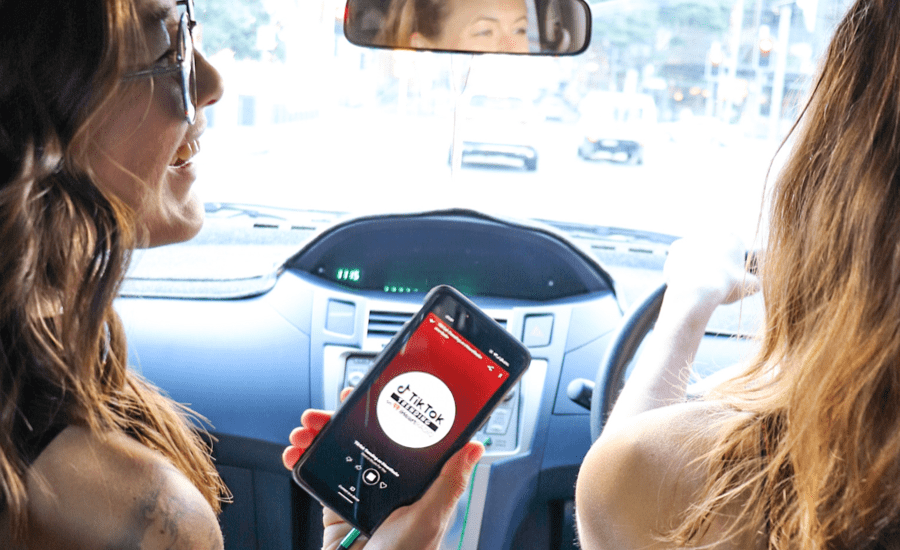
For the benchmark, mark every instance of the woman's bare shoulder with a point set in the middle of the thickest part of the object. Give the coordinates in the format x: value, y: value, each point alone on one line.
x: 85, y: 489
x: 635, y: 483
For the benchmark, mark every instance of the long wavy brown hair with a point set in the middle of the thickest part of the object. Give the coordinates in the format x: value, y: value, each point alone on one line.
x: 815, y: 464
x: 66, y: 248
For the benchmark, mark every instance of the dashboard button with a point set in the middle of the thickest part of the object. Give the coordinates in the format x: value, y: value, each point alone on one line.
x: 499, y: 422
x: 341, y: 317
x: 537, y: 331
x: 353, y: 378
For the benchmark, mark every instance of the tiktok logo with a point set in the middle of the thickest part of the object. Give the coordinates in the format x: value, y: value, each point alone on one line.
x: 416, y: 409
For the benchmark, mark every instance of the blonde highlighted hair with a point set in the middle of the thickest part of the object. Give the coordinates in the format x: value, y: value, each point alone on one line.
x: 816, y: 463
x: 63, y: 356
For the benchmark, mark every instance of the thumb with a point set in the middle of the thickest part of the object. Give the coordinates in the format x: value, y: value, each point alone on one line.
x: 450, y: 485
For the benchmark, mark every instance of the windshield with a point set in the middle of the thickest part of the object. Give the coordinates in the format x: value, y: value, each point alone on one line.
x: 668, y: 122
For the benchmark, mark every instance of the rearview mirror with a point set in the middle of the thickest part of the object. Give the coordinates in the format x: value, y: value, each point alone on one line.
x: 531, y: 27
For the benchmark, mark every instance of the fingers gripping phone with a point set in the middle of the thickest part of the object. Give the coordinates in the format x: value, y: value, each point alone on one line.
x: 424, y: 397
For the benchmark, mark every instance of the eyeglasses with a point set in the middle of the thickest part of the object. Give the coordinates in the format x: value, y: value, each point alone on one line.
x: 184, y: 62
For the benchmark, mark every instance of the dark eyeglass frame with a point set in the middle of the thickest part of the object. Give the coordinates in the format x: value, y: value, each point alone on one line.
x: 184, y: 62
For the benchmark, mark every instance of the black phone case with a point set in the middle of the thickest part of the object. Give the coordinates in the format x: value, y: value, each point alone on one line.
x: 520, y: 359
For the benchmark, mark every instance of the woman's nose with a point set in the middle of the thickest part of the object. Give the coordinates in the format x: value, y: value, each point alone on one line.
x: 209, y: 82
x: 510, y: 43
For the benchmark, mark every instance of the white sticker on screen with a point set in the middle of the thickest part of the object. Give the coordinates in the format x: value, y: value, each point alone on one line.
x: 416, y: 409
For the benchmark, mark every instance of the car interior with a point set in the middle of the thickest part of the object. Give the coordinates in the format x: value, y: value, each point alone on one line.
x: 331, y: 210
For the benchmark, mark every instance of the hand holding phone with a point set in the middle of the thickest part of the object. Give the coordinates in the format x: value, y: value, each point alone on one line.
x: 416, y: 527
x: 422, y: 400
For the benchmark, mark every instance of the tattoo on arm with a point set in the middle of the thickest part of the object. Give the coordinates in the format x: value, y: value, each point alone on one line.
x: 167, y: 518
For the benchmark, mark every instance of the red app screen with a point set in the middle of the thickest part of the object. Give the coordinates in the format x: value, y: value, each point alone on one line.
x: 434, y: 387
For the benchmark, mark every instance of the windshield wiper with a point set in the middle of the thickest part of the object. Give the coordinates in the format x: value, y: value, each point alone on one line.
x: 238, y: 209
x: 616, y: 234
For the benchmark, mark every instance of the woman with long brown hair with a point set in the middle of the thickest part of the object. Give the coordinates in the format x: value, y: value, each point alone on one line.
x: 802, y: 450
x: 101, y: 111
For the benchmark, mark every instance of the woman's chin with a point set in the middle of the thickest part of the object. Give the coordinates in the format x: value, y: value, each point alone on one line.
x: 176, y: 228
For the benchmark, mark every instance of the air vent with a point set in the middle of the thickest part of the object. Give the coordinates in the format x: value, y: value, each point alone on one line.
x: 385, y: 324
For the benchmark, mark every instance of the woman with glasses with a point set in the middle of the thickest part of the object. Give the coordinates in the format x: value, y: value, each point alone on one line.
x: 101, y: 113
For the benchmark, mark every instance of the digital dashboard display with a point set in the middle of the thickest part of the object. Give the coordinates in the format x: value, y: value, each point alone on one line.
x: 480, y: 258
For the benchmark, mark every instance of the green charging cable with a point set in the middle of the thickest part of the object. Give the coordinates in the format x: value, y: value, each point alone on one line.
x: 349, y: 539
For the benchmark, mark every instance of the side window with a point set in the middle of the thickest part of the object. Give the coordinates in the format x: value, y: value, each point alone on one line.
x: 246, y: 110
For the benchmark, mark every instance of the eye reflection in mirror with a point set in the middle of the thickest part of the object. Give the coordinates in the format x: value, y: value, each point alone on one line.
x: 484, y: 26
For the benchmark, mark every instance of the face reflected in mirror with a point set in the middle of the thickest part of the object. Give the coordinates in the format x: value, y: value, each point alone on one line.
x: 529, y: 27
x: 499, y: 26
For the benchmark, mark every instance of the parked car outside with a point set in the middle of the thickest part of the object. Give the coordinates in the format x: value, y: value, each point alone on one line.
x: 496, y: 130
x: 616, y: 126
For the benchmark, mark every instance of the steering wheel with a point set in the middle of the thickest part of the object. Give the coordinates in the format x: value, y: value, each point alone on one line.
x: 626, y: 341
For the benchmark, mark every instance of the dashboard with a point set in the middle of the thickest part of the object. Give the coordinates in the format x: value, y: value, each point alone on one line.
x: 480, y: 256
x: 251, y: 365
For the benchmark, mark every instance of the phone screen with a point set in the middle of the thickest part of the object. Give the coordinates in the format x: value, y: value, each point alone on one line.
x: 396, y: 432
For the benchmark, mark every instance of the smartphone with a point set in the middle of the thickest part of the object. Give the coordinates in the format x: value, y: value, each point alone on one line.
x: 424, y: 397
